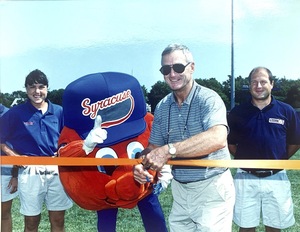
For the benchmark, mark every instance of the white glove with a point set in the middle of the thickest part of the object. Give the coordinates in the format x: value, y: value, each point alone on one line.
x: 164, y: 179
x: 96, y: 135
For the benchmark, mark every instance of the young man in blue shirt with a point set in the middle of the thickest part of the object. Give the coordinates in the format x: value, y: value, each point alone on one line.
x: 9, y: 187
x: 263, y: 128
x: 33, y: 129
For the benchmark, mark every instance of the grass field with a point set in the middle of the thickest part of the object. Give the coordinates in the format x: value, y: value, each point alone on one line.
x: 81, y: 220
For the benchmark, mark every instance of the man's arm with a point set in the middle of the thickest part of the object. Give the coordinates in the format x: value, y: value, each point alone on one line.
x: 202, y: 144
x: 8, y: 151
x: 13, y: 183
x: 198, y: 145
x: 232, y: 149
x: 292, y: 149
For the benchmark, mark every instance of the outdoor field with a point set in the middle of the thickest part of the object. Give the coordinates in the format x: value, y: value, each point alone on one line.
x: 81, y: 220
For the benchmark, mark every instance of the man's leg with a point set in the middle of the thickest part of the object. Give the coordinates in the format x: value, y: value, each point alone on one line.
x: 57, y: 220
x: 32, y: 223
x: 247, y: 229
x: 6, y: 221
x: 271, y: 229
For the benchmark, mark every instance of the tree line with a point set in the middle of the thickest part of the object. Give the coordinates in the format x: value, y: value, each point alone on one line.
x: 284, y: 90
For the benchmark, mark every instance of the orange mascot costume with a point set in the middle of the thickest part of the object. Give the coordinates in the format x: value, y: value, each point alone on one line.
x: 112, y: 103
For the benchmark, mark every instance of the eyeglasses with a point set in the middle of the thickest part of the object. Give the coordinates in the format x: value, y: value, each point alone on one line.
x: 179, y: 68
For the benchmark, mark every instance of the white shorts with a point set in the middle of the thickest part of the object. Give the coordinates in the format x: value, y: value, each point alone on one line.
x: 39, y: 184
x: 270, y: 196
x: 203, y: 205
x: 5, y: 179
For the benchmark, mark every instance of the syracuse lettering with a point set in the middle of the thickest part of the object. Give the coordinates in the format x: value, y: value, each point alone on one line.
x: 92, y: 109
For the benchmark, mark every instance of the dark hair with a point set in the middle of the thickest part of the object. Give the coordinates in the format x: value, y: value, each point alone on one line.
x: 36, y: 77
x: 271, y: 78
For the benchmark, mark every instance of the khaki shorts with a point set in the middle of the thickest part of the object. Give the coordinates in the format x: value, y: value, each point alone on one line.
x: 203, y: 205
x: 269, y: 196
x: 38, y: 185
x: 5, y: 179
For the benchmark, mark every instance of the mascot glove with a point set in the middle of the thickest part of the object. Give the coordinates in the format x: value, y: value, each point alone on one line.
x: 164, y: 179
x: 96, y: 135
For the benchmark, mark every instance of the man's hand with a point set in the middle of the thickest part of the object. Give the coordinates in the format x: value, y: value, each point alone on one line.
x: 96, y: 135
x: 156, y: 158
x: 141, y: 175
x: 13, y: 184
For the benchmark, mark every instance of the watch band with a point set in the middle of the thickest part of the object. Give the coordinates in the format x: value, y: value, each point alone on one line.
x: 172, y: 150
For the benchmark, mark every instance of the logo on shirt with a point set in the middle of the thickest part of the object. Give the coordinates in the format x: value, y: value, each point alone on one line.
x: 28, y: 123
x: 276, y: 121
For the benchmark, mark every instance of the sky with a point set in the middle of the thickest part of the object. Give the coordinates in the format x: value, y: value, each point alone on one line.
x: 69, y: 39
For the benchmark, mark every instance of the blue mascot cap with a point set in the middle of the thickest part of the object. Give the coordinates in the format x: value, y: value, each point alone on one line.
x: 117, y: 97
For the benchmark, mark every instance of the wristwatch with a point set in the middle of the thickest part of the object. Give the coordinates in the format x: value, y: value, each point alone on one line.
x: 172, y: 150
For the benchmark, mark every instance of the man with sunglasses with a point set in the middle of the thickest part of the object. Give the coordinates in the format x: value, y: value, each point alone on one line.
x: 190, y: 123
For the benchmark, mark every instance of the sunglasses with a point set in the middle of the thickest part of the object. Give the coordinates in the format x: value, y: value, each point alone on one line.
x: 179, y: 68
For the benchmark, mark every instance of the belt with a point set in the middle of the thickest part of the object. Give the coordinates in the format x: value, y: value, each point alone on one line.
x: 262, y: 174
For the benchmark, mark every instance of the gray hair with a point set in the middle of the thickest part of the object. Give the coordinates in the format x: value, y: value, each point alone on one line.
x: 178, y: 47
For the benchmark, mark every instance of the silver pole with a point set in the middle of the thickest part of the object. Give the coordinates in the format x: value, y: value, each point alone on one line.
x: 232, y: 92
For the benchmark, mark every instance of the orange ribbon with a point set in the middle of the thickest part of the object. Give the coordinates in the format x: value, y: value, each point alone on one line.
x: 84, y: 161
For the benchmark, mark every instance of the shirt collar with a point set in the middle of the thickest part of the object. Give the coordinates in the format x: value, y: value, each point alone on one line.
x: 31, y: 107
x: 189, y: 97
x: 272, y: 103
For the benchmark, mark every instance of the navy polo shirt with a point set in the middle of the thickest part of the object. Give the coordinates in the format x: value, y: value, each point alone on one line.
x: 29, y: 131
x: 263, y: 134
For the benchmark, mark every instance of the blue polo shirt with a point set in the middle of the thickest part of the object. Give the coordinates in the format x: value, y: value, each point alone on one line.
x: 5, y: 169
x: 3, y: 110
x: 29, y: 131
x: 263, y: 134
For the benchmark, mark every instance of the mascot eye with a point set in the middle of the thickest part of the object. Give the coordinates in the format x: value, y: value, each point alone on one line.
x: 105, y: 153
x: 133, y: 148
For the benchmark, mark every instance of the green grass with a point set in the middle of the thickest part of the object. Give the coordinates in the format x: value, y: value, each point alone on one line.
x: 81, y: 220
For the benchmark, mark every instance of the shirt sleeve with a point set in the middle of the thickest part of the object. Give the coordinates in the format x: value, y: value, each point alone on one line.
x: 156, y: 137
x: 293, y: 133
x: 213, y: 110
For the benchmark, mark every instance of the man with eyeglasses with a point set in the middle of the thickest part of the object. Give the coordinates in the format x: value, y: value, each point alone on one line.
x: 263, y: 128
x: 190, y: 123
